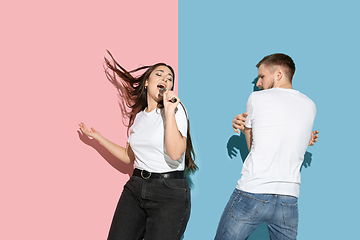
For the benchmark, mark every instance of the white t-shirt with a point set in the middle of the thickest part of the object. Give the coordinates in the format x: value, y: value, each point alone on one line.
x: 147, y: 140
x: 281, y: 121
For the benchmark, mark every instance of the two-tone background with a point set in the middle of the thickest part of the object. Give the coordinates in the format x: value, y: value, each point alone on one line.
x: 55, y: 184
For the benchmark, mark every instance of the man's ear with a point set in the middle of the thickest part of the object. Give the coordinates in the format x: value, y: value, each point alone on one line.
x: 279, y: 74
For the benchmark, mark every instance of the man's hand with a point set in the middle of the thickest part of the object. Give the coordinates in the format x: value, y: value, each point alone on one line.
x: 239, y: 122
x: 314, y: 137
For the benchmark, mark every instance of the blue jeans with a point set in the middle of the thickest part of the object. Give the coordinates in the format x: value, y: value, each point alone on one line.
x: 246, y: 211
x: 151, y: 209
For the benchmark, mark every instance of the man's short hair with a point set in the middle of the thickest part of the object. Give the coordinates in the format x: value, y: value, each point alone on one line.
x: 279, y: 59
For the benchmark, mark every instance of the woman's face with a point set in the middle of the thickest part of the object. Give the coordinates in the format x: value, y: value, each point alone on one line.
x: 161, y: 77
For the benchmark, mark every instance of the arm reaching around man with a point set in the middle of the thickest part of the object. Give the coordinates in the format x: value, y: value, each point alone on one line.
x: 239, y: 121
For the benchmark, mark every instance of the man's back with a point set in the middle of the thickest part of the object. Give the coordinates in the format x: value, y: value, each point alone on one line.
x: 281, y: 121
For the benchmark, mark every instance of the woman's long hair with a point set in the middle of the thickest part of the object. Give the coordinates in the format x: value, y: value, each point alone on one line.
x: 133, y: 98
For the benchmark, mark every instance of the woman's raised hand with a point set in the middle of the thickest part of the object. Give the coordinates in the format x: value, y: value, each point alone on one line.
x: 93, y: 133
x: 168, y: 96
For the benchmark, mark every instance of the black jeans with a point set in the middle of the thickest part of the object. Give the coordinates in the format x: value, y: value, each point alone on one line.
x: 151, y: 209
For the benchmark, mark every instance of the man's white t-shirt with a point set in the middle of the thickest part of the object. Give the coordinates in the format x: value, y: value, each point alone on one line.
x: 147, y: 140
x: 281, y: 121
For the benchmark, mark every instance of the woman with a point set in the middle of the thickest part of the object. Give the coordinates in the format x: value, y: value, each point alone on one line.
x: 155, y: 202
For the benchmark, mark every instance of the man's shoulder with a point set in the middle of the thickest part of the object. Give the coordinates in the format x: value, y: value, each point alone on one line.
x: 279, y: 93
x: 305, y: 97
x: 262, y: 93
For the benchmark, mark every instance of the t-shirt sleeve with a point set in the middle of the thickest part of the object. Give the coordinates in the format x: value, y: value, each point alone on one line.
x: 181, y: 120
x: 131, y: 131
x: 249, y: 110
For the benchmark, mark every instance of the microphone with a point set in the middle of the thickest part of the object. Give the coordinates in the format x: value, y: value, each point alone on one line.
x: 162, y: 90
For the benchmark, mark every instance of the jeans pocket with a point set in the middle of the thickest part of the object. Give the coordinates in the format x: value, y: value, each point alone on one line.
x: 175, y: 190
x: 246, y: 207
x: 291, y: 213
x: 176, y: 184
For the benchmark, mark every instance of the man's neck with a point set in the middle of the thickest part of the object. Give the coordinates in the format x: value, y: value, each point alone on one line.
x: 286, y: 85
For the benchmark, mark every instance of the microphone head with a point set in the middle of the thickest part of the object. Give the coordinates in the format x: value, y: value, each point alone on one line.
x: 162, y: 90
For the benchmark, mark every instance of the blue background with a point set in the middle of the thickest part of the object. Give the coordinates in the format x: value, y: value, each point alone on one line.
x: 220, y: 42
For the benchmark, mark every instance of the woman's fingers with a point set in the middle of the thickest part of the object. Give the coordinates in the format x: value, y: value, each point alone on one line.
x: 169, y: 95
x: 84, y: 129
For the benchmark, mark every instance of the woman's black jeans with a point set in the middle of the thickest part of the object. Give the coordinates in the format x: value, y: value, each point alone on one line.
x: 151, y: 209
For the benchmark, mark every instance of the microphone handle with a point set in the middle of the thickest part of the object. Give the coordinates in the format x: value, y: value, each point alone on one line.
x: 174, y: 100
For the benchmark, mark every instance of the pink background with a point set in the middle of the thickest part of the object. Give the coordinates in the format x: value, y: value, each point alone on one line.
x: 53, y: 185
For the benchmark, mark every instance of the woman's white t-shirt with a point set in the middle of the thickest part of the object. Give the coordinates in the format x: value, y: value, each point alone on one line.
x: 147, y: 140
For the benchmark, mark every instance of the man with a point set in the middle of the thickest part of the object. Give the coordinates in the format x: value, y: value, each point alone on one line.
x: 278, y: 128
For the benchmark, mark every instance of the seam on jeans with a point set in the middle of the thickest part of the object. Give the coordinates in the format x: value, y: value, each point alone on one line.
x: 141, y: 236
x: 181, y: 222
x: 186, y: 209
x: 290, y: 205
x: 249, y: 196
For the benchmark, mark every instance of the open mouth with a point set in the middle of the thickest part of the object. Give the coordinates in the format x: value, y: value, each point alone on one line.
x: 160, y: 86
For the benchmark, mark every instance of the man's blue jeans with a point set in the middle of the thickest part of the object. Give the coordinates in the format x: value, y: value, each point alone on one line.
x: 246, y: 211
